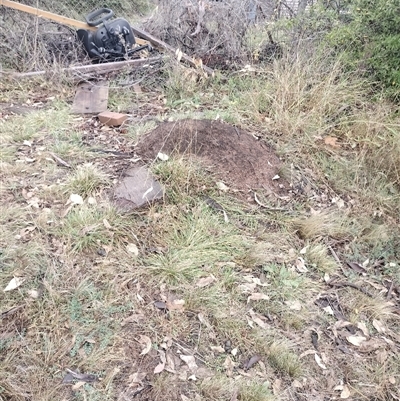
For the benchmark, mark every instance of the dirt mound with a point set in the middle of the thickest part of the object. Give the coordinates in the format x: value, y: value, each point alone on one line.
x: 235, y: 156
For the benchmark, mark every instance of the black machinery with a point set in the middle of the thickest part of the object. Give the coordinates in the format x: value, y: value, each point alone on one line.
x: 113, y: 40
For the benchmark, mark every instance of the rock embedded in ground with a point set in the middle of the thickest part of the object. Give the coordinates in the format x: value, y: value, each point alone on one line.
x: 137, y: 188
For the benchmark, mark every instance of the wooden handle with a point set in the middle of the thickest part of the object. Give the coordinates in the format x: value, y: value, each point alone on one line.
x: 45, y: 14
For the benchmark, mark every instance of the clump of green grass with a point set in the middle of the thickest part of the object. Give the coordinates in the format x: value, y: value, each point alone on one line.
x: 86, y: 227
x: 195, y: 240
x: 318, y: 257
x: 284, y: 360
x: 85, y: 180
x: 182, y: 177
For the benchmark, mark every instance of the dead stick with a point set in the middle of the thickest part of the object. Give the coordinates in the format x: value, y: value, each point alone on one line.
x: 389, y: 294
x: 59, y: 160
x: 159, y: 43
x: 347, y: 284
x: 95, y: 68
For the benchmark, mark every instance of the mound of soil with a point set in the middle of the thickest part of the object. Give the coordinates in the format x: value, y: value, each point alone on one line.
x: 233, y: 155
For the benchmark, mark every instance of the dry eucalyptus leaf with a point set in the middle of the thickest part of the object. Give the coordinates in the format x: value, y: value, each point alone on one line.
x: 319, y: 361
x: 345, y: 392
x: 218, y: 349
x: 331, y: 141
x: 176, y: 304
x: 132, y: 248
x: 190, y: 361
x: 381, y: 356
x: 380, y: 328
x: 356, y: 340
x: 14, y: 284
x: 146, y: 342
x: 205, y: 281
x: 362, y: 326
x: 257, y: 319
x: 222, y: 187
x: 300, y: 265
x: 276, y: 386
x: 257, y: 296
x: 136, y: 378
x: 229, y: 365
x: 159, y: 368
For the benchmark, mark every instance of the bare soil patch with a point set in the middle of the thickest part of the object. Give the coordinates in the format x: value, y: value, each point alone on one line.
x: 235, y: 156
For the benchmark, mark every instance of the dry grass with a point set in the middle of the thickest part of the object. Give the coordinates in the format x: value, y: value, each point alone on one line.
x: 87, y: 299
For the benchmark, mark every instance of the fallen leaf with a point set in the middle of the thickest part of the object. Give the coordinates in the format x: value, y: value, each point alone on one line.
x: 78, y: 385
x: 136, y: 378
x: 345, y: 392
x: 132, y: 248
x: 331, y: 141
x: 205, y: 281
x: 160, y: 305
x: 257, y: 319
x: 319, y: 361
x: 356, y: 267
x: 362, y: 326
x: 146, y: 342
x: 380, y: 328
x: 229, y: 366
x: 276, y: 386
x: 162, y: 156
x: 276, y: 177
x: 222, y: 187
x: 176, y: 305
x: 356, y: 340
x: 381, y: 356
x: 14, y: 284
x: 257, y: 296
x: 218, y: 348
x: 82, y: 377
x: 251, y: 362
x: 76, y: 199
x: 190, y: 361
x: 300, y: 265
x: 160, y: 367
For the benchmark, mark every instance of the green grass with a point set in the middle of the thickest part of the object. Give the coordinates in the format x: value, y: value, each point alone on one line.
x: 95, y: 298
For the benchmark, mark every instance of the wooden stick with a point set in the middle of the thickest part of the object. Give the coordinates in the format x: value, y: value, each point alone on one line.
x: 159, y: 43
x: 93, y: 68
x: 45, y: 14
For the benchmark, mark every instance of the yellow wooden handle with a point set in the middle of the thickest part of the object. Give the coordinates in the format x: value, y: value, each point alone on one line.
x: 45, y: 14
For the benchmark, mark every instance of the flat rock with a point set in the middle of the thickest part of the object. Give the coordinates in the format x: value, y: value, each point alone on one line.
x: 137, y: 188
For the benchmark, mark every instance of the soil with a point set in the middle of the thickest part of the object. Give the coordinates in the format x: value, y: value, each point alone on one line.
x: 237, y: 158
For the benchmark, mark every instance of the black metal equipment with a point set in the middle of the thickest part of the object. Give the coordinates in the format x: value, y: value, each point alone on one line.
x: 113, y: 40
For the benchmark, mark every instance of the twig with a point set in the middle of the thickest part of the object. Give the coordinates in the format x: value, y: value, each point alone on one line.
x: 59, y: 160
x: 347, y: 284
x: 268, y: 209
x: 336, y: 257
x: 389, y: 294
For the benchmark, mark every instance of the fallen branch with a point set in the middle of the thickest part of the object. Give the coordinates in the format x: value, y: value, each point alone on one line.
x: 93, y: 68
x: 347, y: 284
x: 160, y: 44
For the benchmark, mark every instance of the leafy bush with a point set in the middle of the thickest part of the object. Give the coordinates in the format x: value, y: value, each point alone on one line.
x: 370, y: 39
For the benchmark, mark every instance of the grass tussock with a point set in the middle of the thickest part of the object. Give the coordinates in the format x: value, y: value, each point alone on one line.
x: 86, y: 180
